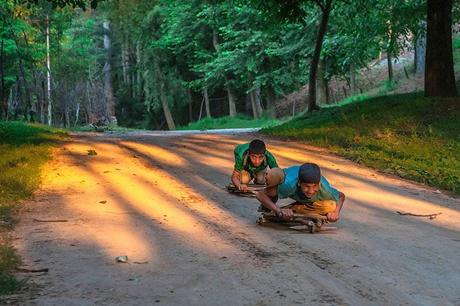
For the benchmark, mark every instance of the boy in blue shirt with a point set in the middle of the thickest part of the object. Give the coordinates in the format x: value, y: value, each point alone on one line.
x: 304, y: 184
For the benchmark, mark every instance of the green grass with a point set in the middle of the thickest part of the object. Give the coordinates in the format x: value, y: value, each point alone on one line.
x: 230, y: 122
x: 349, y: 100
x: 408, y: 135
x: 110, y: 128
x: 23, y: 150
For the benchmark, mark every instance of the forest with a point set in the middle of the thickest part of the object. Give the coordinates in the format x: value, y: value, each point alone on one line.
x: 163, y: 64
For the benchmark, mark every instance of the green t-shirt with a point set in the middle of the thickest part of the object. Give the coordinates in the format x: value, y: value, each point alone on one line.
x: 243, y: 162
x: 290, y: 188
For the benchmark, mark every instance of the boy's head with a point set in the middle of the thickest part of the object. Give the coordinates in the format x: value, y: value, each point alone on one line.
x: 309, y: 179
x: 257, y: 152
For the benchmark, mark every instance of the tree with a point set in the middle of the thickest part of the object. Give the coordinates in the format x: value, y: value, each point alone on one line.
x: 439, y: 65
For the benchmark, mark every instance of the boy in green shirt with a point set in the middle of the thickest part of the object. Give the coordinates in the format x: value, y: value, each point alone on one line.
x: 251, y: 162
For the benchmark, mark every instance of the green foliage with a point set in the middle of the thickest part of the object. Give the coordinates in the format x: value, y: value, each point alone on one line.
x: 8, y: 257
x: 456, y: 43
x: 349, y: 100
x: 387, y: 86
x: 239, y: 121
x: 9, y: 284
x: 408, y: 135
x: 83, y: 4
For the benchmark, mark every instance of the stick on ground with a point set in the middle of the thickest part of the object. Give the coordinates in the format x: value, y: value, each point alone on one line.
x: 430, y: 216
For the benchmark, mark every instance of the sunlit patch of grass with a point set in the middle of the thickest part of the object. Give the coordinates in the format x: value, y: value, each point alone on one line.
x: 23, y: 150
x: 407, y: 135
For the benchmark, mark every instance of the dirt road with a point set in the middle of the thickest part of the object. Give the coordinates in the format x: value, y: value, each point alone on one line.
x: 160, y: 200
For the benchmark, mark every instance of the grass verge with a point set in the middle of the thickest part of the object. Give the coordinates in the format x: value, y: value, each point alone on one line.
x: 408, y: 135
x: 23, y: 150
x: 230, y: 122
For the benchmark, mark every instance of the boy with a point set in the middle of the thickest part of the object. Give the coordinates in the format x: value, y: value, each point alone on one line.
x: 304, y: 184
x: 251, y: 162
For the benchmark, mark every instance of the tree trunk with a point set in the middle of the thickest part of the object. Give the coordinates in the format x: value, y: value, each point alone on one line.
x: 108, y: 89
x: 124, y: 63
x: 326, y: 10
x: 206, y: 102
x: 42, y: 101
x: 231, y: 97
x: 439, y: 68
x: 190, y: 105
x: 255, y: 113
x: 165, y: 106
x: 321, y: 85
x: 138, y: 71
x: 390, y: 67
x: 48, y: 72
x: 22, y: 79
x: 67, y: 116
x: 420, y: 52
x: 89, y: 109
x: 159, y: 79
x: 270, y: 102
x: 352, y: 79
x: 3, y: 100
x: 231, y: 101
x: 77, y: 114
x: 260, y: 109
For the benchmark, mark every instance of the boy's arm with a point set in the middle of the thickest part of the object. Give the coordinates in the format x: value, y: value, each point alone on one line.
x: 265, y: 198
x: 271, y: 161
x: 237, y: 182
x: 236, y: 175
x: 334, y: 216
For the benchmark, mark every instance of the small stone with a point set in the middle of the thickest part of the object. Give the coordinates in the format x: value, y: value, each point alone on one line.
x: 122, y: 259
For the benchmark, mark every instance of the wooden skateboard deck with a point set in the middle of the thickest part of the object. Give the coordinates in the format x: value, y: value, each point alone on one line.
x: 252, y: 189
x: 311, y: 224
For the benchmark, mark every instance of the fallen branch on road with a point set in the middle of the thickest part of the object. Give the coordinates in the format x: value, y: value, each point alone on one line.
x: 32, y: 270
x: 429, y: 216
x: 59, y: 220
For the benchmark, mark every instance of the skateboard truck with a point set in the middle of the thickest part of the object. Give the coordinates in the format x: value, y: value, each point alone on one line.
x: 299, y: 222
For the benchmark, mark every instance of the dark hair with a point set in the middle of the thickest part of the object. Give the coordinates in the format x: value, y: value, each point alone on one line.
x: 257, y: 146
x: 309, y: 173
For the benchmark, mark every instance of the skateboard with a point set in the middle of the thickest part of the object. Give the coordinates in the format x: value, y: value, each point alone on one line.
x: 252, y: 189
x: 305, y: 223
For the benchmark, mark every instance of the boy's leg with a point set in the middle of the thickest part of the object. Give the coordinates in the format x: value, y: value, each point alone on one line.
x: 245, y: 177
x: 318, y: 208
x: 260, y: 177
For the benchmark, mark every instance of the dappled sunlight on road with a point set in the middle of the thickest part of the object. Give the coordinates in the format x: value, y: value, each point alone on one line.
x: 392, y: 202
x: 162, y: 202
x: 128, y: 178
x: 166, y: 156
x: 85, y: 194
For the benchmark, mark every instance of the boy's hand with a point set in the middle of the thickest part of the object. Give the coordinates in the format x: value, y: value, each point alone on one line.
x: 285, y: 213
x: 243, y: 188
x: 333, y: 216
